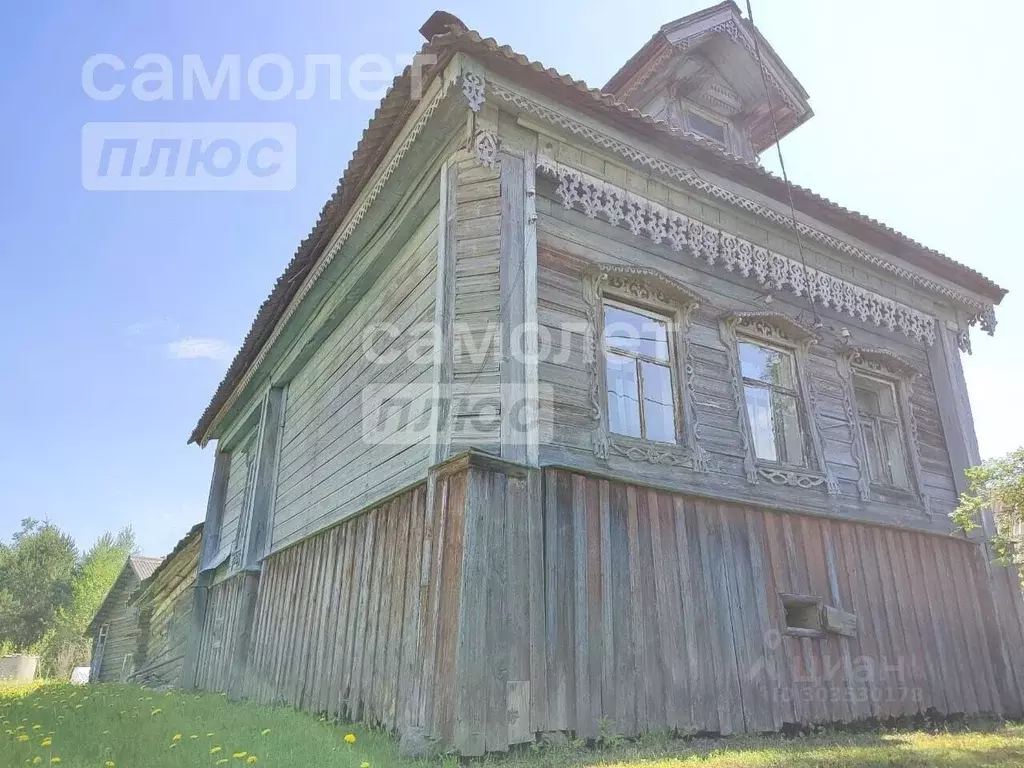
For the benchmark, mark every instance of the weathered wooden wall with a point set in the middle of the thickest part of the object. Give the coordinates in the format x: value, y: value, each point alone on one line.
x: 123, y: 632
x: 339, y: 452
x: 165, y: 618
x: 569, y: 241
x: 523, y: 601
x: 663, y: 612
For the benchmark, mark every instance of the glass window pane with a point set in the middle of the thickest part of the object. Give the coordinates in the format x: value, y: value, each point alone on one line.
x: 897, y: 458
x: 658, y: 411
x: 759, y: 410
x: 709, y: 128
x: 787, y: 421
x: 874, y: 452
x: 636, y: 333
x: 623, y: 396
x: 867, y: 399
x: 765, y: 364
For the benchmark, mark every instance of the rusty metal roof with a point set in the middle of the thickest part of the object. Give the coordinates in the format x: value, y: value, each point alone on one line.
x: 396, y: 106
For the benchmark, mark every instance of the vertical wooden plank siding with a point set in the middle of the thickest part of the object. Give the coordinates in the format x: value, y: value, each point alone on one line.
x: 539, y: 600
x: 678, y: 622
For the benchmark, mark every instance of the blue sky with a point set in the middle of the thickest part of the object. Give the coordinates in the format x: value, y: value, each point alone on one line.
x: 104, y: 295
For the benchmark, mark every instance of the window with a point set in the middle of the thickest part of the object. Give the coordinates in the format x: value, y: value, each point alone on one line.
x: 638, y: 368
x: 773, y: 405
x: 709, y: 129
x: 882, y: 430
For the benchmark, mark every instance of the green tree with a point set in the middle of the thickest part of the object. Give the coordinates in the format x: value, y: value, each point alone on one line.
x: 65, y: 646
x: 997, y: 484
x: 36, y: 571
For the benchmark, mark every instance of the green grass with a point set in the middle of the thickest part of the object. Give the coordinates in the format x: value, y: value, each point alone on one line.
x: 93, y: 726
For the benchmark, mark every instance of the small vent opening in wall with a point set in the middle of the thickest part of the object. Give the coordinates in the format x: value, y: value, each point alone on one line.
x: 803, y: 615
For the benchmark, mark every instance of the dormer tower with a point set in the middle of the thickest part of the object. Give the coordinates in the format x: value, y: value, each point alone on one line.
x: 700, y: 73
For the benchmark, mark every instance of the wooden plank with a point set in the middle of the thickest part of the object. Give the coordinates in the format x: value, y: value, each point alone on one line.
x: 495, y: 608
x: 585, y: 725
x: 536, y: 514
x: 624, y: 643
x: 512, y: 310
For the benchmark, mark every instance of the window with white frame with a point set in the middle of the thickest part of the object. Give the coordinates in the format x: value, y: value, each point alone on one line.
x: 771, y: 391
x: 882, y: 431
x: 638, y: 369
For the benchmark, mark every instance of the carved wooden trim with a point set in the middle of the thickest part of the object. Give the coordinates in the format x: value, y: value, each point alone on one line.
x: 886, y: 365
x: 657, y: 291
x: 982, y: 313
x: 646, y: 218
x: 780, y: 330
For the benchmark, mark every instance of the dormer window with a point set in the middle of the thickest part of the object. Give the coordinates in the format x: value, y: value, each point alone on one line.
x: 702, y: 126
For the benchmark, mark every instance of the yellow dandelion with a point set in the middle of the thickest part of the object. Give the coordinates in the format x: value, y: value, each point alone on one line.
x: 176, y: 737
x: 251, y: 760
x: 54, y: 761
x: 239, y: 755
x: 46, y: 742
x: 364, y: 764
x: 215, y: 750
x: 109, y: 764
x: 350, y: 738
x: 264, y: 732
x: 22, y: 737
x: 37, y: 760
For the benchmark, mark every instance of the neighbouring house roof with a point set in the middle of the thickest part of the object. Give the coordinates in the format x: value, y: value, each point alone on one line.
x: 144, y: 566
x: 138, y: 566
x: 195, y: 532
x: 448, y: 36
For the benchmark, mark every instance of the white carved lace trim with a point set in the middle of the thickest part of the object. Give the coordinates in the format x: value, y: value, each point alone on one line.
x: 648, y: 219
x: 984, y: 313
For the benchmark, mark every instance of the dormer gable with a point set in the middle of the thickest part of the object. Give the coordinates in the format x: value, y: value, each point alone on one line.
x: 701, y: 74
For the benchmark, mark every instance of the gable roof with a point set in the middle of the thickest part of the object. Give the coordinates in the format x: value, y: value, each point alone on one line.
x: 447, y: 35
x: 138, y: 567
x: 144, y: 566
x: 187, y: 539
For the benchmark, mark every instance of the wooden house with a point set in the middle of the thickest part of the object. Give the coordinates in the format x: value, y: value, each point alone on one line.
x: 163, y: 603
x: 568, y: 416
x: 115, y: 627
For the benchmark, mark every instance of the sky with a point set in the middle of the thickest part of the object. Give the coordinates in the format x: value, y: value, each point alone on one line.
x: 122, y: 310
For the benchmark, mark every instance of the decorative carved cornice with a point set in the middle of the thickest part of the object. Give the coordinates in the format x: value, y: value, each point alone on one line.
x: 882, y: 361
x: 980, y: 312
x: 772, y: 326
x: 659, y: 224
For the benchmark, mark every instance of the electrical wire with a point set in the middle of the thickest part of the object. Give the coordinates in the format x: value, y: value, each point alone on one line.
x: 782, y: 161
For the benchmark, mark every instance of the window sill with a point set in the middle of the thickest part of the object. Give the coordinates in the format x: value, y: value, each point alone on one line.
x: 797, y: 477
x: 650, y: 451
x: 811, y: 634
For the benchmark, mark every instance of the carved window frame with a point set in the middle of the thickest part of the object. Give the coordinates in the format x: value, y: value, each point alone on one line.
x: 776, y: 330
x: 886, y: 366
x: 653, y: 291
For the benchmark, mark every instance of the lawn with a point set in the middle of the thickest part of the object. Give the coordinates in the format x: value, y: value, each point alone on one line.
x: 129, y: 727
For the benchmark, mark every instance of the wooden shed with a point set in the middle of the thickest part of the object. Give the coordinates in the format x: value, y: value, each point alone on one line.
x: 164, y: 605
x: 569, y: 416
x: 115, y: 627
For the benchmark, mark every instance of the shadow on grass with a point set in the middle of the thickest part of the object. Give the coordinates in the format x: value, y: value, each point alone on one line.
x: 968, y: 743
